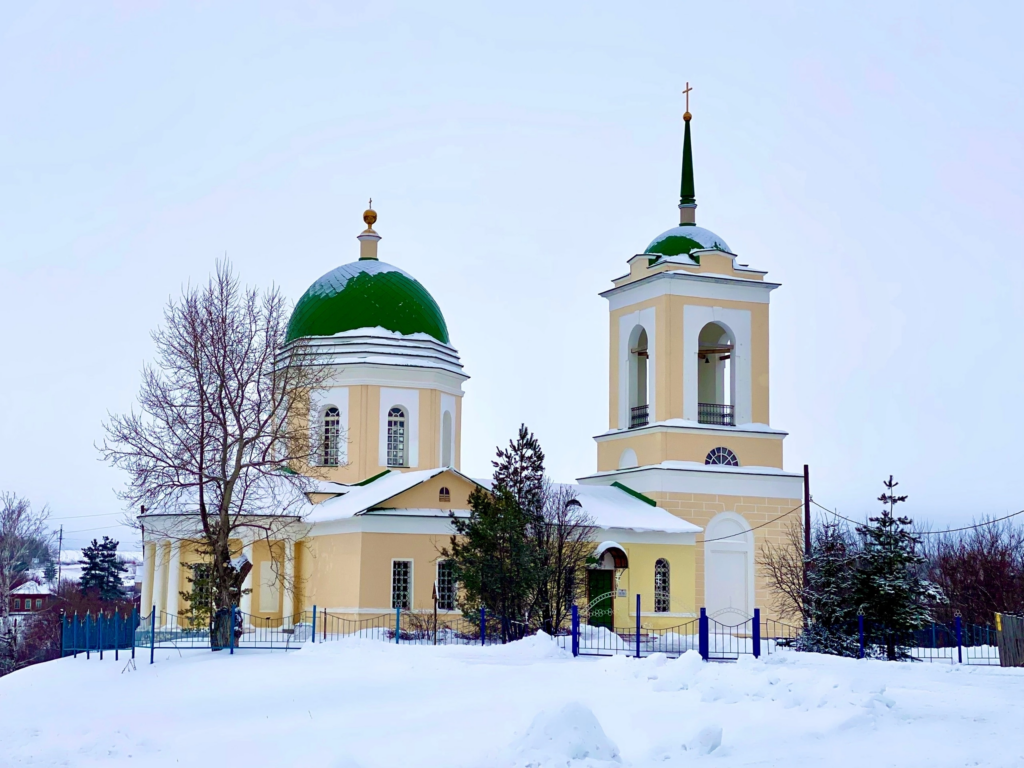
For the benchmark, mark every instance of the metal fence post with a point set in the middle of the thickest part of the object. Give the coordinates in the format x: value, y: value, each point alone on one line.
x: 74, y: 636
x: 638, y: 625
x: 483, y: 625
x: 63, y: 625
x: 575, y: 630
x: 756, y: 634
x: 959, y: 638
x: 860, y: 632
x: 314, y: 623
x: 398, y: 623
x: 88, y: 638
x: 117, y: 637
x: 702, y: 634
x: 231, y: 633
x: 134, y: 625
x: 152, y: 634
x: 101, y: 621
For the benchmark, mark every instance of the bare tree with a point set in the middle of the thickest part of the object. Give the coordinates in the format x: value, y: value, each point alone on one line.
x: 783, y: 569
x: 566, y: 542
x: 222, y: 445
x: 21, y: 531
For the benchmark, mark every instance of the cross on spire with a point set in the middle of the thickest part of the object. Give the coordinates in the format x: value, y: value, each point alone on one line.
x: 686, y: 93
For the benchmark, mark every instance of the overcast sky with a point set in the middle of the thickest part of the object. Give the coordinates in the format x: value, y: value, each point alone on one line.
x: 871, y: 159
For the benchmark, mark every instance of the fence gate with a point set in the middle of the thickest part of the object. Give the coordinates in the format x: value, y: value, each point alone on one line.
x: 1010, y: 637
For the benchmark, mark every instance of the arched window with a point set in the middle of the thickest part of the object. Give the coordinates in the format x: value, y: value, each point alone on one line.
x: 638, y: 410
x: 722, y: 456
x: 444, y: 494
x: 716, y: 386
x: 331, y: 437
x: 662, y: 592
x: 396, y: 438
x: 446, y: 439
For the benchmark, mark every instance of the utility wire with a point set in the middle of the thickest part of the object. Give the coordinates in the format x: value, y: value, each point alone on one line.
x: 762, y: 525
x: 927, y: 533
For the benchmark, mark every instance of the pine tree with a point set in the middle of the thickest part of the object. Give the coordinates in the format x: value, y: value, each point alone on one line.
x: 830, y: 611
x: 103, y: 569
x: 495, y: 554
x: 889, y: 588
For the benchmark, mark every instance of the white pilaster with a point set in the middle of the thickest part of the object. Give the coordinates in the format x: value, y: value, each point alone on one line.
x: 247, y: 584
x: 161, y: 555
x: 173, y: 569
x: 288, y: 598
x: 148, y: 556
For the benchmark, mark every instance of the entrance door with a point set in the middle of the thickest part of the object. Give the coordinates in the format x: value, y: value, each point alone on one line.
x: 599, y: 596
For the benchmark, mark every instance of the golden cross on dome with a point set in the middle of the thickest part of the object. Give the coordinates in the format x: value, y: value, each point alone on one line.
x: 687, y: 94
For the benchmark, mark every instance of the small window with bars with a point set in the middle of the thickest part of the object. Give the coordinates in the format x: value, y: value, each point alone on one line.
x: 396, y: 438
x: 331, y: 442
x: 401, y: 584
x: 445, y: 586
x: 444, y: 494
x: 662, y: 594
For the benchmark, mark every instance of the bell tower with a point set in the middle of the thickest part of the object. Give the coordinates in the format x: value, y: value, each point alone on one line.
x: 688, y: 399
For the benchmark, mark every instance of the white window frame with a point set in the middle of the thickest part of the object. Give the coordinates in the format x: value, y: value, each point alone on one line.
x: 330, y: 456
x: 663, y: 599
x: 404, y: 462
x: 412, y: 571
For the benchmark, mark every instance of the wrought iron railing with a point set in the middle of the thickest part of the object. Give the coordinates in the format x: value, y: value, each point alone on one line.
x: 714, y: 413
x: 638, y: 416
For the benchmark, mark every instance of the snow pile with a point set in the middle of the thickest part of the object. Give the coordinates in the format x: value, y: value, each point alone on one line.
x: 572, y: 736
x: 364, y: 703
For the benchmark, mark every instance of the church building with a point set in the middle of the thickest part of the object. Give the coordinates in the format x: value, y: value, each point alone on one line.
x: 688, y: 483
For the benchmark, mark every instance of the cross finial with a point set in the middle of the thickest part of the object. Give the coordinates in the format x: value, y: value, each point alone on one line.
x: 686, y: 93
x: 371, y: 199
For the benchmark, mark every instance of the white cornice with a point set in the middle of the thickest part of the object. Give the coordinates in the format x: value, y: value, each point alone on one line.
x: 765, y: 482
x: 693, y: 285
x: 692, y: 428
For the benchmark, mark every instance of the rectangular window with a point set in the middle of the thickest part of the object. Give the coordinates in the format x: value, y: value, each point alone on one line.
x: 445, y: 586
x: 401, y: 584
x: 39, y: 602
x: 17, y: 603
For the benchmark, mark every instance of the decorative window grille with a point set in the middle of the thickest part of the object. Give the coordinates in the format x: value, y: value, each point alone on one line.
x: 444, y: 494
x: 445, y: 586
x: 401, y: 584
x: 331, y: 438
x: 201, y: 603
x: 662, y: 593
x: 396, y: 438
x: 722, y: 456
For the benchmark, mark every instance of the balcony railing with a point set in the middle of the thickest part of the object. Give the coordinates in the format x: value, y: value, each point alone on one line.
x: 713, y: 413
x: 638, y: 417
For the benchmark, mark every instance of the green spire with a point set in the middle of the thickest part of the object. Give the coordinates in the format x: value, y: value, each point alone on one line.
x: 686, y: 193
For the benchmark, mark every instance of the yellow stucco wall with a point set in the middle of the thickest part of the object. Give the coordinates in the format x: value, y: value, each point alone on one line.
x: 699, y: 508
x: 654, y: 447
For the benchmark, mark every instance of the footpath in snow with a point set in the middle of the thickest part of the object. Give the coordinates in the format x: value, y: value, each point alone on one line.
x: 367, y: 704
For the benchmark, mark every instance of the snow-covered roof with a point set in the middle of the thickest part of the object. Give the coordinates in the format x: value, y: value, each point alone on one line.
x: 357, y: 499
x: 31, y: 588
x: 612, y: 507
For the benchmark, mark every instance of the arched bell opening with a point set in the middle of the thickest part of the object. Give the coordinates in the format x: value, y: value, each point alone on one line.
x: 638, y: 382
x: 716, y: 380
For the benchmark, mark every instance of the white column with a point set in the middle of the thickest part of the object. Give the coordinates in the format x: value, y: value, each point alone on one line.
x: 160, y: 557
x: 148, y: 556
x: 247, y: 584
x: 173, y: 569
x: 288, y: 596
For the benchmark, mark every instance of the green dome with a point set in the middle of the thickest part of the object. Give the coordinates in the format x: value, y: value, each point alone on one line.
x: 367, y: 294
x: 679, y: 241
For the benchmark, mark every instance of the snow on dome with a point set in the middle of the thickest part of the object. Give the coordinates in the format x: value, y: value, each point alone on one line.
x: 367, y: 294
x: 685, y: 238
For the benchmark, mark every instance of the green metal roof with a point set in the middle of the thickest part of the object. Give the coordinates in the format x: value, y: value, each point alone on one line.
x: 366, y: 294
x: 685, y: 238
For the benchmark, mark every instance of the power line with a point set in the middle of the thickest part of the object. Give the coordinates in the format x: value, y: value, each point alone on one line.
x: 762, y: 525
x: 76, y: 517
x: 928, y: 533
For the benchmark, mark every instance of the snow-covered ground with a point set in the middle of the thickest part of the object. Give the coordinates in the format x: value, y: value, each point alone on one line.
x: 368, y: 704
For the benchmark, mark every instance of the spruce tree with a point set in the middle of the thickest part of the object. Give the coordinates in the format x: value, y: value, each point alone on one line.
x: 830, y: 611
x: 889, y: 588
x: 495, y: 553
x: 103, y: 569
